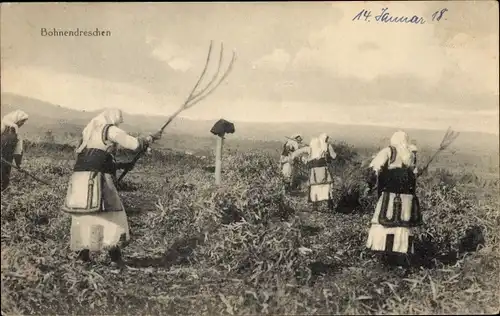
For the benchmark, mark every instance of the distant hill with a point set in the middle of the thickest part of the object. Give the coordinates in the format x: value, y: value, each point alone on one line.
x: 47, y: 116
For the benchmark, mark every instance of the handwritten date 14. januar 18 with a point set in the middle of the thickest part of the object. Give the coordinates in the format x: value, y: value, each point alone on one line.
x: 386, y: 17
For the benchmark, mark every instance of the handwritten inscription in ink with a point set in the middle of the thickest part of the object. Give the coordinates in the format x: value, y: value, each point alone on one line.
x: 385, y: 16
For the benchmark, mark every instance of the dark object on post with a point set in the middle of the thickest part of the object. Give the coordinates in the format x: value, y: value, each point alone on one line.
x: 221, y: 127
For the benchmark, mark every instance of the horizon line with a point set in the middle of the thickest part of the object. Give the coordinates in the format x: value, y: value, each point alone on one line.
x: 249, y: 122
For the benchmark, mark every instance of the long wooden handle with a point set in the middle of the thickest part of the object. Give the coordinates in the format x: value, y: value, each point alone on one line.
x: 142, y: 152
x: 430, y: 160
x: 25, y: 172
x: 132, y: 164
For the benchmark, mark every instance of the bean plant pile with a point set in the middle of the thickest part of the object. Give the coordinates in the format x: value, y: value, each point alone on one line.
x: 246, y: 247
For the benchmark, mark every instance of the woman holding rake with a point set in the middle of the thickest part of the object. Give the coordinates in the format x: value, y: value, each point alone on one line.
x: 397, y: 212
x: 98, y: 218
x: 287, y: 160
x: 321, y: 155
x: 99, y: 221
x: 12, y: 145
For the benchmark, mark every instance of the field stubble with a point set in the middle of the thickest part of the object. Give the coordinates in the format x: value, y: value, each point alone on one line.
x: 246, y: 247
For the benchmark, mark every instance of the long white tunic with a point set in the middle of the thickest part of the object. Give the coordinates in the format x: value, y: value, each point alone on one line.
x: 320, y: 178
x: 397, y: 239
x: 287, y: 160
x: 103, y: 230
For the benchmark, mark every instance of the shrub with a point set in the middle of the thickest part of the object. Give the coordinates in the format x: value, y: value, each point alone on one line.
x: 346, y: 154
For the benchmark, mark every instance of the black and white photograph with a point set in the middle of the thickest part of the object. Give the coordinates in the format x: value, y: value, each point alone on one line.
x: 250, y: 158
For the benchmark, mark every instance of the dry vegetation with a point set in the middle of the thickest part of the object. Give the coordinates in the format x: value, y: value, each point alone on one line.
x: 246, y: 247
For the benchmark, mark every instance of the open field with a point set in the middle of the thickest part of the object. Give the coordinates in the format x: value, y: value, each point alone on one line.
x: 246, y: 247
x: 359, y: 72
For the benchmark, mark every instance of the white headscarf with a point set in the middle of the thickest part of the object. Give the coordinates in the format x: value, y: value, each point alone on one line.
x: 323, y: 138
x: 319, y: 147
x: 314, y: 148
x: 109, y: 116
x: 297, y: 137
x: 293, y: 142
x: 12, y: 119
x: 400, y: 141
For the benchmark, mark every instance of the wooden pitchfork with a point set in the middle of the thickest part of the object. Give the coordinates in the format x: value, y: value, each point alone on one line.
x: 194, y: 97
x: 448, y: 138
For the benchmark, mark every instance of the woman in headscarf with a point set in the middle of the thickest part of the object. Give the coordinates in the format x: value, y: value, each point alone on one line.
x: 12, y: 144
x: 321, y: 155
x: 397, y: 211
x: 286, y: 159
x: 98, y: 220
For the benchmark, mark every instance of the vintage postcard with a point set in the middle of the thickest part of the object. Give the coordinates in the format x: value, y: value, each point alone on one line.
x: 250, y: 158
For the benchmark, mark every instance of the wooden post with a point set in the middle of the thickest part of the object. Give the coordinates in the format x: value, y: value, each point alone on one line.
x: 220, y: 128
x: 218, y: 160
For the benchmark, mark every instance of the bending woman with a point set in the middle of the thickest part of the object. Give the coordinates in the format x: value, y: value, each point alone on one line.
x: 287, y: 161
x: 98, y: 218
x: 397, y: 212
x: 12, y: 144
x: 321, y: 155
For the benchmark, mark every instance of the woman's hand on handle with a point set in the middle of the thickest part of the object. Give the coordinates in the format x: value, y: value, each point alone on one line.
x: 156, y: 136
x: 144, y: 143
x: 152, y: 138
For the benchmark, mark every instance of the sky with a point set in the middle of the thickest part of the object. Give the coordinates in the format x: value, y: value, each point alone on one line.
x: 295, y: 61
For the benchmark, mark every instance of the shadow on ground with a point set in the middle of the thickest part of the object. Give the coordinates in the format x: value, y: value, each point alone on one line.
x: 126, y: 187
x: 179, y: 253
x: 309, y: 230
x: 318, y: 270
x: 428, y: 253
